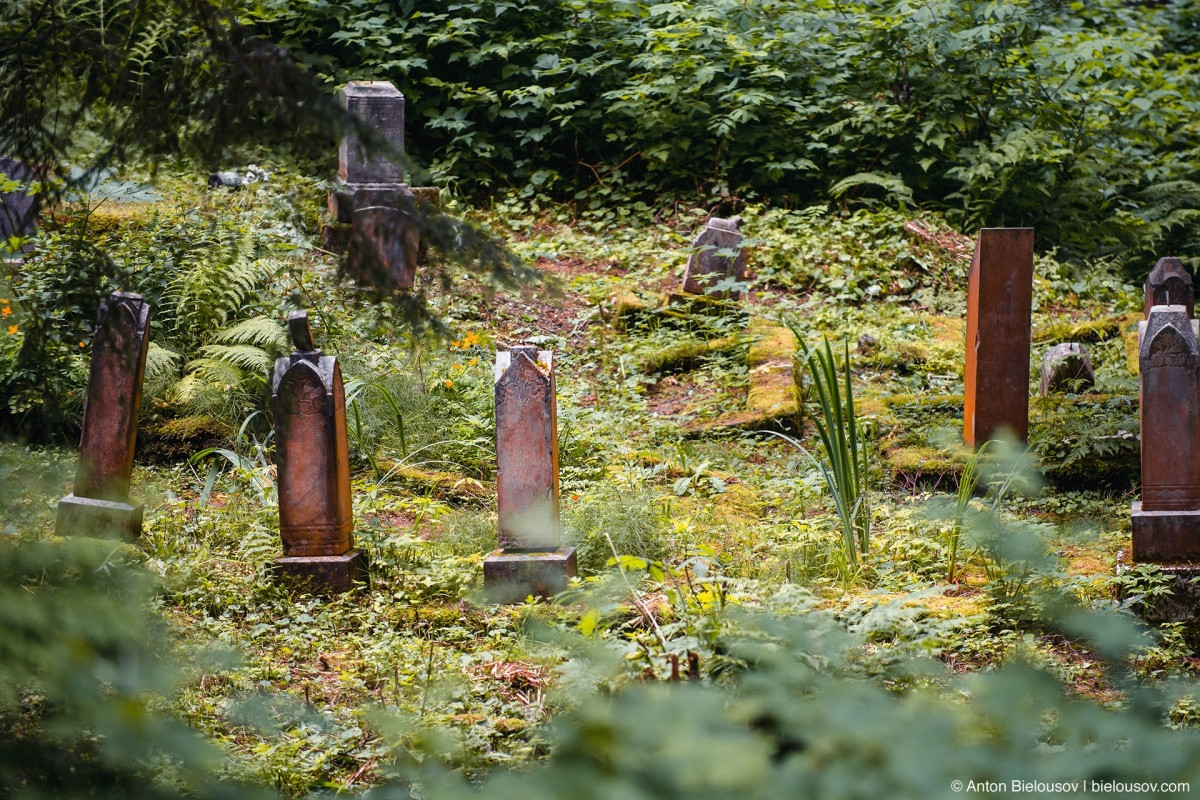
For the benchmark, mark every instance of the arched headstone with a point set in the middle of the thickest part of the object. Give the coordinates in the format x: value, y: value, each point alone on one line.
x: 531, y: 560
x: 99, y: 504
x: 316, y: 516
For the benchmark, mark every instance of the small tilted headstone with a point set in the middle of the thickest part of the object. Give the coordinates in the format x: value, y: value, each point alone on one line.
x: 999, y: 308
x: 1067, y: 367
x: 717, y: 255
x: 100, y: 504
x: 531, y: 559
x: 316, y: 517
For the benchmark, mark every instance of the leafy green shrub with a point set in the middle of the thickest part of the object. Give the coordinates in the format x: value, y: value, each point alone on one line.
x: 626, y: 515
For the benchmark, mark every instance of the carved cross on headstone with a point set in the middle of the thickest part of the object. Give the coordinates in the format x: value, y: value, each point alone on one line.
x: 531, y: 560
x: 99, y: 504
x: 999, y: 307
x: 316, y: 515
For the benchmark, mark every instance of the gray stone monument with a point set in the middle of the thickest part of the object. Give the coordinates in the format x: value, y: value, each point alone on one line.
x: 316, y: 515
x: 1067, y: 367
x: 18, y: 209
x: 100, y: 504
x: 707, y: 265
x: 531, y: 559
x: 370, y: 194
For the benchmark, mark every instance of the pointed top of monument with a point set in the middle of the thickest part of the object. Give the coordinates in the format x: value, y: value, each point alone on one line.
x: 1170, y: 284
x: 301, y: 333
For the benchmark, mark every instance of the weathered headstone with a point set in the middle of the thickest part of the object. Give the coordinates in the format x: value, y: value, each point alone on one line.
x: 370, y: 194
x: 1169, y: 284
x: 368, y: 170
x: 1166, y: 523
x: 999, y: 305
x: 531, y: 560
x: 316, y: 516
x: 99, y: 504
x: 1067, y: 367
x: 18, y: 209
x: 707, y: 265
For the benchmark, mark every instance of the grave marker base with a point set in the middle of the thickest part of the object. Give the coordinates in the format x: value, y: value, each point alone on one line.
x: 322, y: 575
x: 509, y: 576
x: 107, y: 519
x: 1181, y: 603
x: 1166, y: 536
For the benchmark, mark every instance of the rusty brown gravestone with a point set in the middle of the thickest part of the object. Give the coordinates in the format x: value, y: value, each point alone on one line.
x: 999, y: 304
x: 1166, y: 523
x: 708, y: 265
x: 99, y: 504
x: 316, y: 516
x: 531, y: 560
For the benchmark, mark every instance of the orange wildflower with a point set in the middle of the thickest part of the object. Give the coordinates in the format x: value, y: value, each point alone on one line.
x: 13, y: 329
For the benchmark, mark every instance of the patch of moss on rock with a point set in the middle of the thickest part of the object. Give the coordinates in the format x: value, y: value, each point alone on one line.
x: 770, y: 341
x: 685, y: 355
x: 448, y: 487
x: 1090, y: 330
x: 181, y: 438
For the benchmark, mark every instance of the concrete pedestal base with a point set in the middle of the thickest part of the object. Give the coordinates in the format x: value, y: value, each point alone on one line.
x: 1180, y: 604
x: 106, y: 519
x: 322, y: 574
x: 346, y: 198
x: 1166, y: 537
x: 509, y: 576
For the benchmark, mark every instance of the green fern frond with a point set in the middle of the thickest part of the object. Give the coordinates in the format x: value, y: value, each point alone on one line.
x: 243, y: 356
x: 219, y: 372
x: 266, y: 333
x: 161, y: 364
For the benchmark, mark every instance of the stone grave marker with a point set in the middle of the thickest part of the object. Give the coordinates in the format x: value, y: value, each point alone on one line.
x: 531, y: 559
x: 707, y: 266
x: 370, y: 195
x: 1169, y: 284
x: 999, y: 305
x: 99, y: 505
x: 384, y: 245
x: 316, y: 517
x: 1067, y: 367
x: 1166, y: 522
x: 18, y: 209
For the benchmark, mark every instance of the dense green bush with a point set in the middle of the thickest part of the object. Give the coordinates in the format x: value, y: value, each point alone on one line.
x: 1039, y: 112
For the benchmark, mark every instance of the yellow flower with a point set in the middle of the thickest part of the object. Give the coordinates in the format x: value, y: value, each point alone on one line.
x: 458, y: 366
x: 448, y: 383
x: 13, y: 329
x: 6, y: 310
x: 473, y: 361
x: 83, y: 344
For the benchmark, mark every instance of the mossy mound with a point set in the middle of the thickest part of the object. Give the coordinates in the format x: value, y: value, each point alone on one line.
x: 1091, y: 330
x: 181, y: 438
x: 770, y: 342
x: 448, y: 487
x: 685, y: 355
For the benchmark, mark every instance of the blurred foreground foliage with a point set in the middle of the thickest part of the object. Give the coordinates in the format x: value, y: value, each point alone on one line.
x: 794, y: 699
